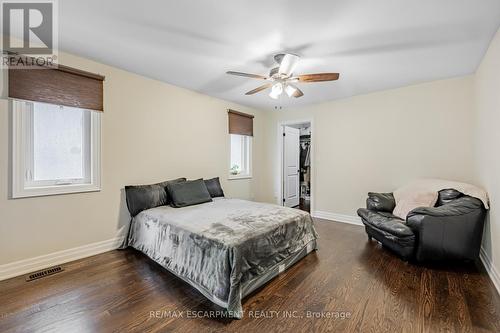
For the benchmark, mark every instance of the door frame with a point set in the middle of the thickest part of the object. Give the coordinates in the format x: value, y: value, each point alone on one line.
x: 291, y: 140
x: 280, y: 180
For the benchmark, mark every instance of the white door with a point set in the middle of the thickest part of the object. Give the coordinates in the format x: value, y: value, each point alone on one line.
x: 291, y: 167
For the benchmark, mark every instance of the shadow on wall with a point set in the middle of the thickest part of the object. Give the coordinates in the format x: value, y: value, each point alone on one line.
x: 123, y: 216
x: 486, y: 244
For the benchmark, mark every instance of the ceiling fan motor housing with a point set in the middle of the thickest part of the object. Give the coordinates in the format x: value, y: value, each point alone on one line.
x: 274, y: 72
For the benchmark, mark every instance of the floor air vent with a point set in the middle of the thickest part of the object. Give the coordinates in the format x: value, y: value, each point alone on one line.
x: 44, y: 273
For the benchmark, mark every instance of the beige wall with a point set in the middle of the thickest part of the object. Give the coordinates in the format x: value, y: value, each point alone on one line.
x: 487, y: 89
x: 379, y: 141
x: 151, y: 131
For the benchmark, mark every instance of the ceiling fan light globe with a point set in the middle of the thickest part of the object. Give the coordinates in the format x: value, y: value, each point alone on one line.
x: 276, y: 91
x: 278, y: 88
x: 273, y: 95
x: 290, y: 90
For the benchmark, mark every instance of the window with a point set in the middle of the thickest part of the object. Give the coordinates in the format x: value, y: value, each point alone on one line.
x: 241, y: 152
x: 56, y: 149
x: 240, y: 127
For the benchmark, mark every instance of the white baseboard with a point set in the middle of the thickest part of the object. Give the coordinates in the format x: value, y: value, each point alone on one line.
x: 492, y: 271
x: 57, y: 258
x: 337, y: 217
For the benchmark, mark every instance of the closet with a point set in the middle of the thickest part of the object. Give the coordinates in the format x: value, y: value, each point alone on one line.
x: 305, y: 168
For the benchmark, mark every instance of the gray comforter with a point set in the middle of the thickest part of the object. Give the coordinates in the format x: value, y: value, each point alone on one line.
x: 221, y: 246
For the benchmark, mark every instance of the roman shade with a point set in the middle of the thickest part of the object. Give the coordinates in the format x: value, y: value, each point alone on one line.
x: 59, y: 85
x: 240, y: 123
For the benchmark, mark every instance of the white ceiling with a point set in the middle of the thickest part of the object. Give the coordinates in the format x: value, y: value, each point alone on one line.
x: 375, y: 45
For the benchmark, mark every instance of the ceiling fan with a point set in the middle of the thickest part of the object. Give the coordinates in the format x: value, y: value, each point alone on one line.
x: 282, y: 79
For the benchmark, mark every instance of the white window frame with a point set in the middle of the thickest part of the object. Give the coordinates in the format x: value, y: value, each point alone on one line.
x: 247, y: 158
x: 22, y: 157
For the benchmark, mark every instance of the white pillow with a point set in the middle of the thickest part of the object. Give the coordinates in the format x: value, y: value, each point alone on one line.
x: 409, y: 200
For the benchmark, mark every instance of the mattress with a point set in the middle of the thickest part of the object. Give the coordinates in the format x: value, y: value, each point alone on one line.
x: 226, y: 248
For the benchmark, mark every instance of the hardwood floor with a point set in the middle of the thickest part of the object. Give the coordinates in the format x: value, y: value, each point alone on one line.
x: 348, y: 277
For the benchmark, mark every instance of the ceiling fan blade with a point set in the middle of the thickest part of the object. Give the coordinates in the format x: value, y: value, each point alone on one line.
x: 288, y: 64
x: 298, y: 93
x: 253, y: 76
x: 320, y: 77
x: 256, y: 90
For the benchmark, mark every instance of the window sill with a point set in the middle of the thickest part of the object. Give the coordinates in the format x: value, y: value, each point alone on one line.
x: 54, y: 190
x: 235, y: 177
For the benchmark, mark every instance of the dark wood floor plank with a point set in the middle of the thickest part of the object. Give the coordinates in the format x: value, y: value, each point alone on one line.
x: 117, y: 291
x: 476, y: 289
x: 458, y: 304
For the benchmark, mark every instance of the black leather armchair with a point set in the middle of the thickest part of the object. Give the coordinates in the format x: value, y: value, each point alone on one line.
x: 451, y: 230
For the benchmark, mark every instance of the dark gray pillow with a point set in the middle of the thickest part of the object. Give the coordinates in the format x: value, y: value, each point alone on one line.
x: 382, y: 202
x: 447, y: 195
x: 142, y: 197
x: 214, y: 188
x: 188, y: 193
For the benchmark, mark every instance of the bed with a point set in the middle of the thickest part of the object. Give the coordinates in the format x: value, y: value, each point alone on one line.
x: 226, y: 248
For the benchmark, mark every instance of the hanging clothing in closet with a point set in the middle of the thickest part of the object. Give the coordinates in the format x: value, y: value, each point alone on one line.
x: 304, y: 155
x: 305, y: 161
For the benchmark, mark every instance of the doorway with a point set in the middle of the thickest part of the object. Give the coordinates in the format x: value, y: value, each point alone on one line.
x: 296, y: 164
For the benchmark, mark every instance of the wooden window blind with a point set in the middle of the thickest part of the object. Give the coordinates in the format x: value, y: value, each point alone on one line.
x: 60, y: 85
x: 240, y: 123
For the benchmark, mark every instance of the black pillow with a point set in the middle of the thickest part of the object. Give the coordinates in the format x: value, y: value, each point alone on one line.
x: 188, y: 193
x: 382, y: 202
x: 447, y: 195
x: 214, y: 188
x: 142, y: 197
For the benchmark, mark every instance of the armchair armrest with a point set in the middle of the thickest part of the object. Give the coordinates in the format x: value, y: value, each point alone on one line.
x: 380, y: 202
x: 452, y: 231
